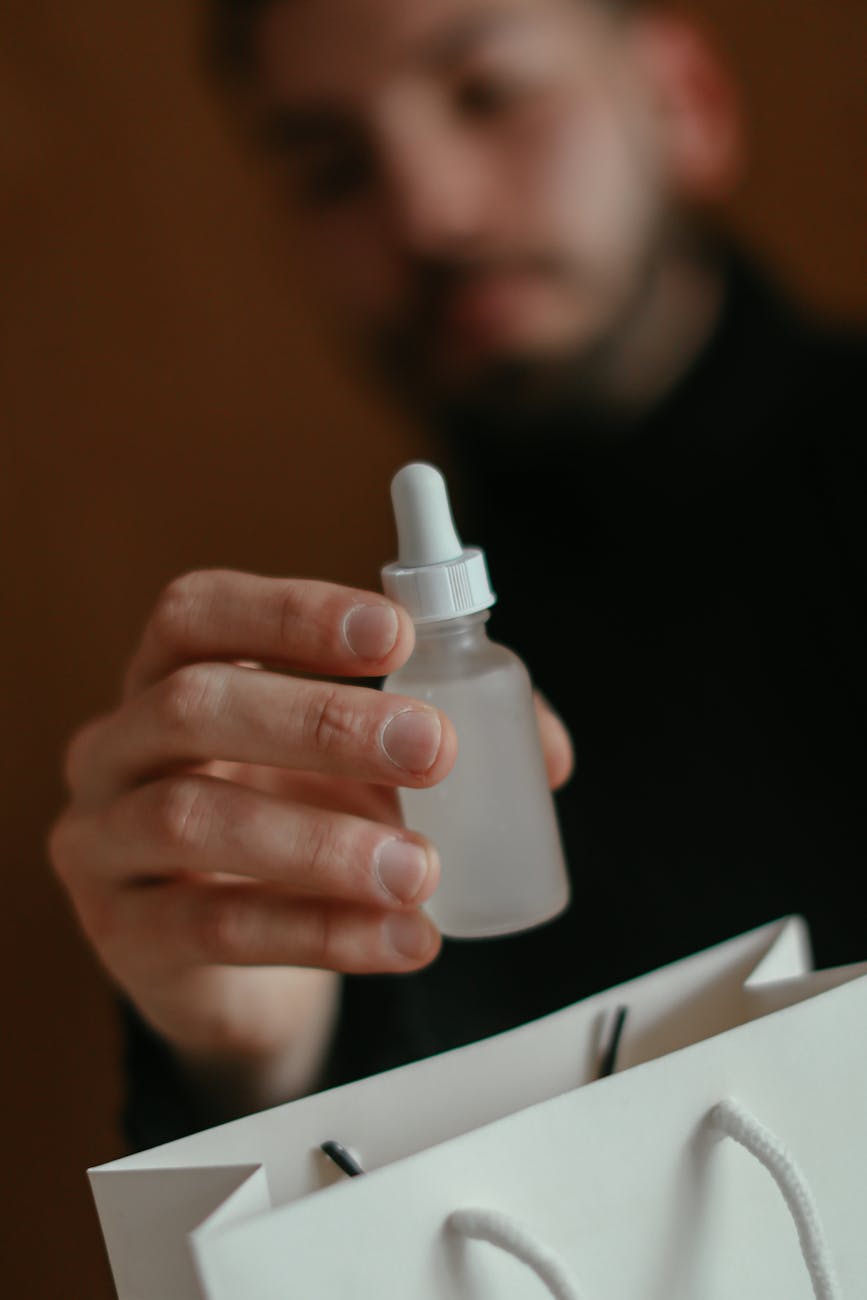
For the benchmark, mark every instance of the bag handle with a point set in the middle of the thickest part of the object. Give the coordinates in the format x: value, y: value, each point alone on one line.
x: 735, y: 1121
x: 731, y: 1119
x: 504, y: 1231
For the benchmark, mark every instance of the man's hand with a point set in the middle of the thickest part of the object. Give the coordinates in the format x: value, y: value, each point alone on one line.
x: 233, y: 839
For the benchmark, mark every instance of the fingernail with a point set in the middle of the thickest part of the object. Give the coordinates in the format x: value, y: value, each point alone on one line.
x: 409, y: 934
x: 370, y: 631
x: 411, y: 739
x: 402, y: 868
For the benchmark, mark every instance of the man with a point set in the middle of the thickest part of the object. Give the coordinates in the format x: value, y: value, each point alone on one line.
x: 506, y: 202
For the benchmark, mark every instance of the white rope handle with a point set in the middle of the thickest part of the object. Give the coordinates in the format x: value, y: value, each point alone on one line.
x: 734, y: 1120
x: 503, y: 1231
x: 728, y: 1117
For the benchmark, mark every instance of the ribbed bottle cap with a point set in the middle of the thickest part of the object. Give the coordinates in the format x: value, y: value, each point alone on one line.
x: 434, y: 576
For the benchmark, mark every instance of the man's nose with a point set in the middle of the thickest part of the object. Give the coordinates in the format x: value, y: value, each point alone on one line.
x: 437, y: 192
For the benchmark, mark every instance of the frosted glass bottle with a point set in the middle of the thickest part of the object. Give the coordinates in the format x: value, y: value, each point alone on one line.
x: 492, y: 819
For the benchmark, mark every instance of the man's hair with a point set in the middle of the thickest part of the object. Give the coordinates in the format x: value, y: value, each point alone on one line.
x: 231, y: 23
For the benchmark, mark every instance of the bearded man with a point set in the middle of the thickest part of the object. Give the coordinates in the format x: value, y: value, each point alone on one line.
x: 508, y: 204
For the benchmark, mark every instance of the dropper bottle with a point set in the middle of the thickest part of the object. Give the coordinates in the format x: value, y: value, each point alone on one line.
x: 492, y: 819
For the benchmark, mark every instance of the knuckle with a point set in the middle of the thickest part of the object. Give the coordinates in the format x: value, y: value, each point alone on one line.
x: 182, y: 814
x: 62, y: 846
x: 190, y: 695
x: 177, y: 608
x: 330, y: 721
x: 77, y: 754
x: 67, y: 847
x: 339, y: 863
x: 226, y: 931
x: 290, y: 611
x: 321, y: 847
x: 98, y: 918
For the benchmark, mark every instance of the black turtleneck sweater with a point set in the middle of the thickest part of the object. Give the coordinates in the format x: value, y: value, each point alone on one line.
x: 690, y: 592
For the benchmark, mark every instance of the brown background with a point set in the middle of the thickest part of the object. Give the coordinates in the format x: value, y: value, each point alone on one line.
x: 168, y: 404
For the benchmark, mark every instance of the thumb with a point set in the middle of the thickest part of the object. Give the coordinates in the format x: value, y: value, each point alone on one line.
x: 556, y: 743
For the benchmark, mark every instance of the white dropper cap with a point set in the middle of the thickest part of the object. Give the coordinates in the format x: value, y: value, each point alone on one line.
x: 434, y: 576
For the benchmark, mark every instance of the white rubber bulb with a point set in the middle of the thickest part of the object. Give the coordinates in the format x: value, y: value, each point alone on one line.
x: 426, y: 532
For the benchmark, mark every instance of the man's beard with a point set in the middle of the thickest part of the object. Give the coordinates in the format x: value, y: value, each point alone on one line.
x: 510, y: 381
x: 436, y: 379
x: 518, y: 387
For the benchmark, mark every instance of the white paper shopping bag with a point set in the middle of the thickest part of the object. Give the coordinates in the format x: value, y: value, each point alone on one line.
x: 623, y: 1184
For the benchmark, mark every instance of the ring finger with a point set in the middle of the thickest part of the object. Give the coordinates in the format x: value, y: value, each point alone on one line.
x: 196, y: 823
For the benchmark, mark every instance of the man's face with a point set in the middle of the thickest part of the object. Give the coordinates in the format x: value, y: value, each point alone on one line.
x: 481, y: 183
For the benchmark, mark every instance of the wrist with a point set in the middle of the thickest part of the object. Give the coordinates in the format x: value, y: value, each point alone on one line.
x: 233, y: 1080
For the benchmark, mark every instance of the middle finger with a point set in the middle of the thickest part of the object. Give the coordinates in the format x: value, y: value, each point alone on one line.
x: 220, y: 711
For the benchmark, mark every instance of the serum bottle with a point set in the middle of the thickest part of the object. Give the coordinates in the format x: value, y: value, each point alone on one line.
x: 492, y: 819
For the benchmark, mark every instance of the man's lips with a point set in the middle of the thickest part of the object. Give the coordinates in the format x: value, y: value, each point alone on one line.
x: 488, y: 305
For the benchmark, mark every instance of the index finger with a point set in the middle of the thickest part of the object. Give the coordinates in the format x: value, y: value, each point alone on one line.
x: 298, y: 623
